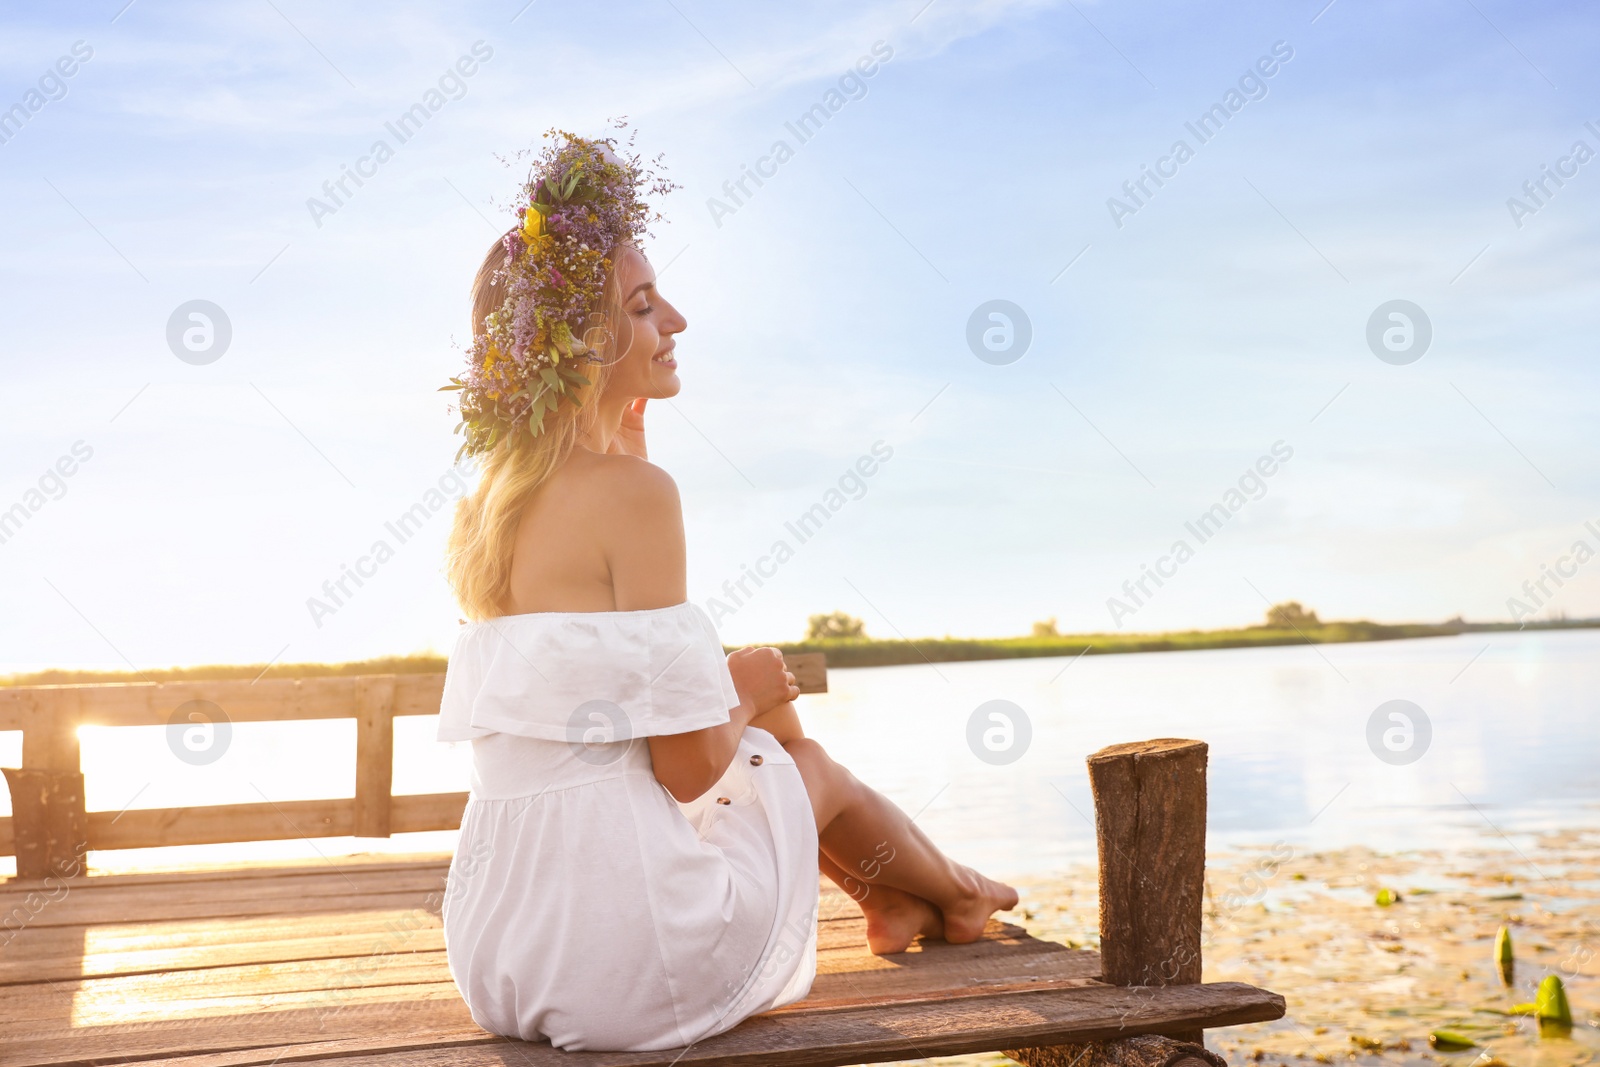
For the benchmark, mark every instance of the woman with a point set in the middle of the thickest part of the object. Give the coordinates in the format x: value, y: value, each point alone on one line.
x: 639, y: 859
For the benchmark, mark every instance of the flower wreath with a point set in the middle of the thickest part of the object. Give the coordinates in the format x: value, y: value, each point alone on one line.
x: 580, y: 201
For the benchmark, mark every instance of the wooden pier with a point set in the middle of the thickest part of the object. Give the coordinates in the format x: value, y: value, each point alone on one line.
x: 342, y: 962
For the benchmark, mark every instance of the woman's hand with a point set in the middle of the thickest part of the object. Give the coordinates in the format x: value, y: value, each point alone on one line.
x: 759, y: 677
x: 629, y: 439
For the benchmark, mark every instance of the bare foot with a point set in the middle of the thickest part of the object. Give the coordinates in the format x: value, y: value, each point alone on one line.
x: 895, y: 919
x: 964, y: 920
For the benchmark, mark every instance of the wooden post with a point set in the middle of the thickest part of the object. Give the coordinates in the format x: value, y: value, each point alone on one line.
x: 1150, y: 827
x: 374, y: 754
x: 49, y: 826
x: 810, y: 670
x: 50, y: 741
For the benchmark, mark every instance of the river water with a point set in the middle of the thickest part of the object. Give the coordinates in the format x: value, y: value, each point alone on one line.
x: 1509, y: 749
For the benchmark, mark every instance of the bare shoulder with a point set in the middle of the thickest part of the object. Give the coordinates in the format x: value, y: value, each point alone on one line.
x: 632, y: 488
x: 620, y: 527
x: 637, y: 522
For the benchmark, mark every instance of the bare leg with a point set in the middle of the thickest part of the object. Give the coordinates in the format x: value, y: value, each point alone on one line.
x: 861, y: 831
x: 895, y: 918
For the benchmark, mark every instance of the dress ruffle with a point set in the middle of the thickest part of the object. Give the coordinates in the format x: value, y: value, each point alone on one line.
x: 587, y: 677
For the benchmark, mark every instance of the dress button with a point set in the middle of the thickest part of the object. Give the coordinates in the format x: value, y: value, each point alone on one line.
x: 724, y: 800
x: 756, y: 761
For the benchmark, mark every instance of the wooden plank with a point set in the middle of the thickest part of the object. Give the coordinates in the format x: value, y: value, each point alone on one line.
x: 38, y: 943
x: 178, y: 908
x: 217, y: 823
x: 44, y: 952
x: 416, y: 812
x: 61, y: 947
x: 187, y: 907
x: 388, y: 1024
x: 427, y: 936
x: 418, y: 694
x: 206, y: 899
x: 211, y: 991
x: 347, y: 891
x: 239, y: 871
x: 101, y: 964
x: 281, y: 821
x: 409, y: 947
x: 257, y: 1036
x: 265, y: 700
x: 374, y: 754
x: 844, y: 980
x: 287, y: 880
x: 269, y: 699
x: 372, y: 1048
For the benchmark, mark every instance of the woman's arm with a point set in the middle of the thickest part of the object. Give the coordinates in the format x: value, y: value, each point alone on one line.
x: 689, y: 764
x: 646, y: 557
x: 782, y: 722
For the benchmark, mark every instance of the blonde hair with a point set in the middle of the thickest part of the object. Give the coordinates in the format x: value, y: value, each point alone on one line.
x: 478, y: 555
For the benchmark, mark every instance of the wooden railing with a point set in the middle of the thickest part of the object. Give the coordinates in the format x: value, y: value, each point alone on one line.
x: 49, y: 827
x: 49, y: 830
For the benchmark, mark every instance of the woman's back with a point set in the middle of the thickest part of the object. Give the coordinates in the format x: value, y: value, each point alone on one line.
x: 602, y: 533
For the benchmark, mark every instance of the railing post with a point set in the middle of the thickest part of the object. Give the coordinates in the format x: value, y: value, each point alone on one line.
x: 50, y: 741
x: 49, y: 825
x: 1150, y: 827
x: 49, y: 828
x: 374, y: 754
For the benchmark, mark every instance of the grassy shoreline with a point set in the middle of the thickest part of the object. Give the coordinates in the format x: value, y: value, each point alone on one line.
x: 869, y: 652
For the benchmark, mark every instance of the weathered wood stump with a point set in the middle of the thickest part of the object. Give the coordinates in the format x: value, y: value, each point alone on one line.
x: 1150, y: 827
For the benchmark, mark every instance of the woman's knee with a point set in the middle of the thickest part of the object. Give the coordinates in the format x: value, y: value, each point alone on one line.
x: 812, y: 759
x: 805, y: 748
x: 828, y: 782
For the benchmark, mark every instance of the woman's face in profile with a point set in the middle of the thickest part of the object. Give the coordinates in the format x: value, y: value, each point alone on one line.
x: 645, y: 334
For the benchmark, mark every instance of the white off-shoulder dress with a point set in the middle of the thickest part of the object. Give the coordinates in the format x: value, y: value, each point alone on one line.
x: 584, y: 905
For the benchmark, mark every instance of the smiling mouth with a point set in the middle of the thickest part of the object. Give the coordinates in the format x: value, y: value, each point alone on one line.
x: 664, y: 357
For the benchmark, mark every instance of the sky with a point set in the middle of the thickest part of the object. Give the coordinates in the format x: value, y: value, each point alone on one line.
x: 1222, y: 338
